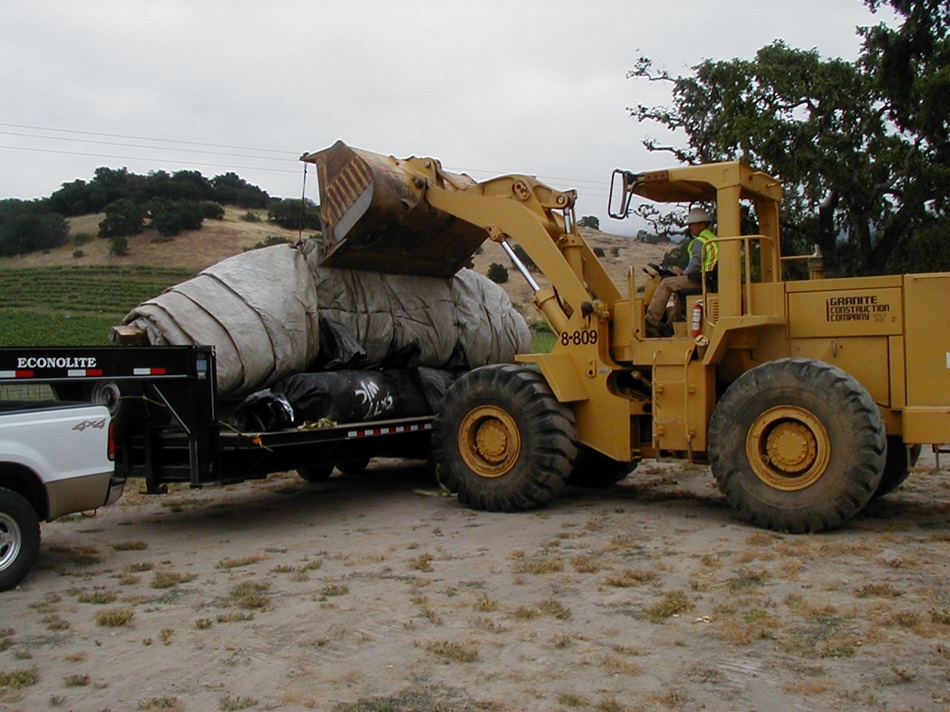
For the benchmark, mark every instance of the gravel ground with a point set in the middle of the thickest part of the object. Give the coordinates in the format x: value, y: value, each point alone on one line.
x: 373, y: 592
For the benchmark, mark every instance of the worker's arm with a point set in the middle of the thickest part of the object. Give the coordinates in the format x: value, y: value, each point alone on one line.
x: 694, y: 269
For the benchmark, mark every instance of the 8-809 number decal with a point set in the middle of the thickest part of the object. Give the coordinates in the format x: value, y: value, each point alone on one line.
x: 585, y: 336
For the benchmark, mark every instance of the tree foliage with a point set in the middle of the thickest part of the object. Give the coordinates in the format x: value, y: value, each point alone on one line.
x: 497, y: 273
x: 172, y: 217
x: 591, y: 221
x: 863, y: 159
x: 111, y: 184
x: 29, y: 226
x: 293, y: 214
x: 123, y: 218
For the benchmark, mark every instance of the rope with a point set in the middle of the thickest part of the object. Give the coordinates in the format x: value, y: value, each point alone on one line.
x: 303, y: 197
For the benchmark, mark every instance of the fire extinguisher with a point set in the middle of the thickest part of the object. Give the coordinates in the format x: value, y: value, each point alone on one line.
x: 696, y: 326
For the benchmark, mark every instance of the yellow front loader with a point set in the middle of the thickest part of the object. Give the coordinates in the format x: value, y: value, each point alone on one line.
x: 808, y: 398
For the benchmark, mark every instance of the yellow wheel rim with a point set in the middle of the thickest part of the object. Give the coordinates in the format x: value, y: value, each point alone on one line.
x: 489, y: 441
x: 788, y: 448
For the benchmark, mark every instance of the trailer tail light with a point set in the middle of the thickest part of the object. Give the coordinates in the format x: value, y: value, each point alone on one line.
x: 110, y: 447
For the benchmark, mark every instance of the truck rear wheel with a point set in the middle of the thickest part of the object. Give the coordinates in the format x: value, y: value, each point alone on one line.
x: 19, y: 538
x: 502, y: 441
x: 797, y: 445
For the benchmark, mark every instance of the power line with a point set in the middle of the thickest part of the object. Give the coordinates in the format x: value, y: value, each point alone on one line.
x: 150, y: 158
x: 144, y: 138
x: 285, y: 153
x: 134, y: 145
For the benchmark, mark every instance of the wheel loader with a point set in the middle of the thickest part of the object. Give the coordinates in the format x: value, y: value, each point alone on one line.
x: 808, y: 398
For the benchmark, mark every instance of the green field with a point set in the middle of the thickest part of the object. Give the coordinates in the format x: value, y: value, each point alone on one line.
x: 74, y: 306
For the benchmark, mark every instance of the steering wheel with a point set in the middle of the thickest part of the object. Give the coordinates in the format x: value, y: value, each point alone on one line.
x: 662, y: 271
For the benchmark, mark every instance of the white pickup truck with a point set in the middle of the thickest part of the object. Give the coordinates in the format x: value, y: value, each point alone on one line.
x: 55, y: 458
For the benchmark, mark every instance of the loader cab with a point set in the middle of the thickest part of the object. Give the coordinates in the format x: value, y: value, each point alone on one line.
x: 744, y: 260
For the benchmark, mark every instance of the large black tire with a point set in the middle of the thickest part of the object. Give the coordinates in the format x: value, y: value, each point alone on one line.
x: 315, y: 473
x: 896, y: 467
x: 594, y: 469
x: 502, y: 441
x: 19, y: 538
x: 797, y: 445
x: 353, y: 467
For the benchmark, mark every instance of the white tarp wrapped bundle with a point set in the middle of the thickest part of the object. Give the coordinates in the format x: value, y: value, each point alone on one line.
x: 261, y: 311
x: 258, y: 309
x: 390, y: 312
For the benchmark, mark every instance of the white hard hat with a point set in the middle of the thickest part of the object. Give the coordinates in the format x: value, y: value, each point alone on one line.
x: 698, y: 215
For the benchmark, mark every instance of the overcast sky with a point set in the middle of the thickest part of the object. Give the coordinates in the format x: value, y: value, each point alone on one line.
x: 487, y: 86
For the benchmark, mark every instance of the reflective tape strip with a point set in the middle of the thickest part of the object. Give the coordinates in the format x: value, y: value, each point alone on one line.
x: 83, y: 372
x: 369, y: 432
x: 148, y: 371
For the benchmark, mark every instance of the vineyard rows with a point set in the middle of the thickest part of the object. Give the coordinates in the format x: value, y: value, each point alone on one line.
x: 74, y: 305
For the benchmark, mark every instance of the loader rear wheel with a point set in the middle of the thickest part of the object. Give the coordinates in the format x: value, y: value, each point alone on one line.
x: 501, y: 439
x: 797, y: 445
x: 896, y: 467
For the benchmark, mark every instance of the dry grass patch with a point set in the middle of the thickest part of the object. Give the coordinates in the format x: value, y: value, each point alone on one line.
x: 234, y: 617
x: 544, y: 562
x: 453, y: 651
x: 228, y: 563
x: 130, y: 546
x: 115, y: 617
x: 672, y: 604
x: 76, y: 680
x: 99, y: 597
x: 548, y: 607
x: 625, y: 578
x: 170, y: 579
x: 615, y: 665
x: 18, y: 679
x: 167, y: 704
x: 754, y: 624
x: 78, y: 555
x: 747, y: 578
x: 809, y: 687
x: 139, y: 567
x: 55, y: 622
x: 569, y: 699
x: 485, y: 604
x: 423, y: 563
x: 250, y: 595
x: 334, y: 589
x: 585, y: 564
x: 232, y: 704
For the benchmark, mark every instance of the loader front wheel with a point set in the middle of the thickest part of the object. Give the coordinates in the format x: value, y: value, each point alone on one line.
x: 501, y: 439
x: 797, y: 445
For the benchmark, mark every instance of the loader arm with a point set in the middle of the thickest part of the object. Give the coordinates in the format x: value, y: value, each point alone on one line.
x: 410, y: 216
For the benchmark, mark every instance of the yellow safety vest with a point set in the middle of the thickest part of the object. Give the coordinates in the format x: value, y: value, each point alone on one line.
x: 710, y: 249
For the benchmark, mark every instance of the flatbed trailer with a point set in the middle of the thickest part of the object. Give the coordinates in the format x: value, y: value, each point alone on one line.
x: 170, y: 424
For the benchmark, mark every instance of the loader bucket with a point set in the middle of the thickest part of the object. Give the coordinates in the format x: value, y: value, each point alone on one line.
x: 375, y: 216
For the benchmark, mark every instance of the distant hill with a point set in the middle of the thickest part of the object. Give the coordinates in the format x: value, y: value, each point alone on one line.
x: 218, y: 239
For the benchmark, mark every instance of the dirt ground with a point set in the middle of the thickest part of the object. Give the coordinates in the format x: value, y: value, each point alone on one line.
x: 374, y: 592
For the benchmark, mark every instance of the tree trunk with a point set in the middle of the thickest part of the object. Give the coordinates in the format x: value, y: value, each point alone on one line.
x: 827, y: 235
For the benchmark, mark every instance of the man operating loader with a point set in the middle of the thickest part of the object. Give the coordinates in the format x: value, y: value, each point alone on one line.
x: 703, y: 255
